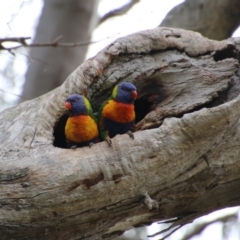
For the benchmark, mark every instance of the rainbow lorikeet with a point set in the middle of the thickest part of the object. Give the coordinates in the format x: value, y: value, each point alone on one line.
x: 117, y: 115
x: 81, y: 127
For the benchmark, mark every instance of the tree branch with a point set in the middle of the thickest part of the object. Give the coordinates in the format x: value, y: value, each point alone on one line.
x: 199, y: 227
x: 205, y: 17
x: 118, y: 12
x: 54, y: 43
x: 48, y: 191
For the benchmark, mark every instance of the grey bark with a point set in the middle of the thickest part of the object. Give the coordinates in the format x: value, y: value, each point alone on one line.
x: 215, y: 19
x: 49, y: 67
x: 184, y: 164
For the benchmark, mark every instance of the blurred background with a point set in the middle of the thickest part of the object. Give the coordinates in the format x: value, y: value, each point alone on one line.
x: 43, y: 41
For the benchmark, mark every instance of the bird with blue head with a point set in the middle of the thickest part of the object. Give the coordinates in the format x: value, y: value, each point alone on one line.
x: 117, y: 115
x: 81, y: 127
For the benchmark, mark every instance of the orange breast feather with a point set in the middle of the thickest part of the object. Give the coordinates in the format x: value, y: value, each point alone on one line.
x: 81, y: 129
x: 119, y: 112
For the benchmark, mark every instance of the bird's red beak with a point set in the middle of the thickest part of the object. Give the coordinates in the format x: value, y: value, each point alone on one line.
x: 134, y: 95
x: 68, y: 105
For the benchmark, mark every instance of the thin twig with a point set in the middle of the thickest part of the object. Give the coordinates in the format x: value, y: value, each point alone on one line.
x: 169, y: 234
x: 54, y: 43
x: 162, y: 231
x: 14, y: 39
x: 17, y: 95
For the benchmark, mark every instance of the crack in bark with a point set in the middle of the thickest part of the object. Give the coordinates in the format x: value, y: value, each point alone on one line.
x: 18, y: 174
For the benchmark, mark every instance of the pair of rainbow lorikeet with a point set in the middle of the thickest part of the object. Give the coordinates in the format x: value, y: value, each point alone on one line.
x: 116, y: 116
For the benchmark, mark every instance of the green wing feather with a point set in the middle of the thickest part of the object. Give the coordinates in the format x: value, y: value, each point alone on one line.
x: 103, y: 132
x: 89, y: 109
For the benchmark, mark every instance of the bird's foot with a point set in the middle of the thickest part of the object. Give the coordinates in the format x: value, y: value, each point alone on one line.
x: 109, y: 141
x: 73, y: 147
x: 91, y: 144
x: 130, y: 133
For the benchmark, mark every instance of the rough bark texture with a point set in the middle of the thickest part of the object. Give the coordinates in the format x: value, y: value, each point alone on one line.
x: 49, y: 67
x: 215, y: 19
x: 185, y: 166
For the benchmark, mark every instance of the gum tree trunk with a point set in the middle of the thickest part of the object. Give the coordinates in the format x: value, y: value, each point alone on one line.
x: 73, y: 21
x: 182, y: 163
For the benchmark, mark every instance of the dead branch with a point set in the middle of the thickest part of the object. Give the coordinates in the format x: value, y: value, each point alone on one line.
x: 118, y: 12
x: 54, y: 43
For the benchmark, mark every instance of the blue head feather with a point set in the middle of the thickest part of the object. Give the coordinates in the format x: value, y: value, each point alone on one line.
x: 123, y: 92
x: 78, y: 105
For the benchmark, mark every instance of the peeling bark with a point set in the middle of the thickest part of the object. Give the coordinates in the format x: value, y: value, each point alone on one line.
x: 184, y: 164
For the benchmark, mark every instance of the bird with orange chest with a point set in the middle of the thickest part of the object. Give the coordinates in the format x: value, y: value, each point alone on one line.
x: 117, y: 115
x: 81, y: 127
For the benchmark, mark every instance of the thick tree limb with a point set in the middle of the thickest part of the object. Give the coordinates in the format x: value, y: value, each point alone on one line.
x: 187, y: 165
x: 212, y: 18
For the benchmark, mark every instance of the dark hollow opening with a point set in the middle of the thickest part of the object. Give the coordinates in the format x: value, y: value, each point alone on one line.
x: 228, y: 52
x: 59, y: 132
x: 142, y: 108
x: 150, y: 95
